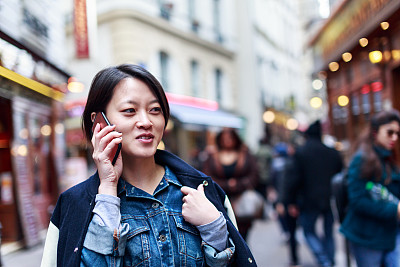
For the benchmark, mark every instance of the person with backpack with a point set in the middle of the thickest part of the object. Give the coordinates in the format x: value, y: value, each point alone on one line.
x: 308, y: 192
x: 371, y: 223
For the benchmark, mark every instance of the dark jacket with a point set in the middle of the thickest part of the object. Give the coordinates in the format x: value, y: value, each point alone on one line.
x: 310, y: 184
x: 73, y: 212
x: 368, y: 222
x: 245, y: 172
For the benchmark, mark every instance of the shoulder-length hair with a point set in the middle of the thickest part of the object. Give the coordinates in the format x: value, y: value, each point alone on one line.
x: 102, y: 90
x: 371, y: 167
x: 235, y: 136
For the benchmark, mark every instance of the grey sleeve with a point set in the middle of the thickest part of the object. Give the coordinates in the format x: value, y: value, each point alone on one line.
x: 215, y: 233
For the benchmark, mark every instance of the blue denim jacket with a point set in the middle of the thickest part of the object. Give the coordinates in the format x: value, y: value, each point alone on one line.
x: 73, y: 214
x: 152, y: 232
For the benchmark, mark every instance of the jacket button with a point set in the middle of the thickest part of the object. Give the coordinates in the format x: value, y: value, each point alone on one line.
x: 155, y: 205
x: 205, y: 183
x: 250, y: 260
x: 163, y: 238
x: 76, y: 250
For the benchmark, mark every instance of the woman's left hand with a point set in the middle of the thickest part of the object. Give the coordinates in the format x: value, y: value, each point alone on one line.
x: 196, y: 208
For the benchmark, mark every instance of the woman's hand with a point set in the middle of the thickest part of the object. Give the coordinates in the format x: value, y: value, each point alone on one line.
x: 196, y: 208
x: 104, y: 142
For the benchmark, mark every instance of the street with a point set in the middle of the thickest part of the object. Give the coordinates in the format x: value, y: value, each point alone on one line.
x: 264, y: 240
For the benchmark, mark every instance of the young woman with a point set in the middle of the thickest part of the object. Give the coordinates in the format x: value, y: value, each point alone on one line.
x: 234, y: 169
x: 149, y: 208
x: 372, y: 222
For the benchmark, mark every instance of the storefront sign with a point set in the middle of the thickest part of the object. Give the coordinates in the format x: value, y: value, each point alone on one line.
x: 81, y: 29
x: 347, y: 23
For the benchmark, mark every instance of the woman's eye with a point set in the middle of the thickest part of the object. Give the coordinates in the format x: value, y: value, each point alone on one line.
x: 156, y: 110
x: 129, y: 110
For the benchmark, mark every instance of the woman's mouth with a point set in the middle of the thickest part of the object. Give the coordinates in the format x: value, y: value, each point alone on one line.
x: 145, y: 138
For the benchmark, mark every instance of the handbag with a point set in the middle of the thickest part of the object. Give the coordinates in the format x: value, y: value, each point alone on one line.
x: 250, y: 204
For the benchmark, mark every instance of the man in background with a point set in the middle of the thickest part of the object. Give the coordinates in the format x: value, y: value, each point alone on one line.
x: 309, y: 192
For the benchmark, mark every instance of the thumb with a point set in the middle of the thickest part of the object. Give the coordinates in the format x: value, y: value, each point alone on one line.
x: 200, y: 188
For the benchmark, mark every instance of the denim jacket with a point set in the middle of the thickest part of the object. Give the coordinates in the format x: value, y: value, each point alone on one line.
x: 151, y: 231
x: 73, y: 213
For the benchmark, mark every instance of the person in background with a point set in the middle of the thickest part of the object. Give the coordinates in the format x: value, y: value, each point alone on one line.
x: 278, y: 171
x: 149, y: 208
x: 289, y: 219
x: 233, y: 167
x: 314, y: 165
x: 371, y: 223
x: 264, y: 157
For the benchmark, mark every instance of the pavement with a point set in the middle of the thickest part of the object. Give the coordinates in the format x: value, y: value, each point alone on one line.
x: 265, y: 241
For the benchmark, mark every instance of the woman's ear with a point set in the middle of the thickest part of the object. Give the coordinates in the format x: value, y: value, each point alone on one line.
x: 93, y: 116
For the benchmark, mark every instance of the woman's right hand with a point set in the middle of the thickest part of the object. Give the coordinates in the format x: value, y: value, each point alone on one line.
x: 104, y: 142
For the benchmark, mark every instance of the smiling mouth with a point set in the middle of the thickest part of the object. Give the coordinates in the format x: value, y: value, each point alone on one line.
x: 145, y: 137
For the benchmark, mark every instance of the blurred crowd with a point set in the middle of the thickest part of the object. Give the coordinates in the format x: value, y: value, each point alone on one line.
x: 294, y: 180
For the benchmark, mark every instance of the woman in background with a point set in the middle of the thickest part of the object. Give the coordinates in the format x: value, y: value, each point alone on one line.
x: 372, y: 222
x: 233, y: 167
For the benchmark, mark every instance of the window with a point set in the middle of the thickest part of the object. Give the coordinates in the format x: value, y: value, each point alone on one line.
x: 195, y: 78
x: 355, y: 105
x: 217, y: 20
x: 192, y: 16
x: 165, y: 9
x: 218, y: 85
x: 164, y: 70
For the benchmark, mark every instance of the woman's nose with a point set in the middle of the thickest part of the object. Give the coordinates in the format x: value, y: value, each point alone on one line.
x: 144, y: 121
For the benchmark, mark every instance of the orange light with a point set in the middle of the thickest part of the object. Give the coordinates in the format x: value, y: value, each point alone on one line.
x: 333, y: 66
x: 363, y: 42
x: 385, y: 25
x: 347, y: 57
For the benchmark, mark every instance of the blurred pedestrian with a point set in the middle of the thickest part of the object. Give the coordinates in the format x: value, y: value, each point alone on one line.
x: 264, y: 157
x: 278, y: 170
x: 372, y: 221
x: 314, y: 166
x: 234, y: 168
x: 287, y: 219
x: 150, y: 208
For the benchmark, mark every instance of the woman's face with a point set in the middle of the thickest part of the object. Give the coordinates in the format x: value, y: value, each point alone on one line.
x: 227, y: 140
x: 137, y: 114
x: 387, y: 135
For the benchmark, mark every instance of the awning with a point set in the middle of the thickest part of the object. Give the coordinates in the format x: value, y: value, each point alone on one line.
x: 204, y: 117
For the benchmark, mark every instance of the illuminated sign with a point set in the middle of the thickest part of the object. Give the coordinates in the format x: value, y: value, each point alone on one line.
x: 346, y: 24
x: 81, y: 29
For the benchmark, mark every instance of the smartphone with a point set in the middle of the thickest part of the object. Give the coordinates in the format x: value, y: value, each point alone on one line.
x: 103, y: 121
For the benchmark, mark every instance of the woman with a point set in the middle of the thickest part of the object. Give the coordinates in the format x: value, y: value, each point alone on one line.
x: 371, y: 224
x: 149, y: 208
x: 234, y: 169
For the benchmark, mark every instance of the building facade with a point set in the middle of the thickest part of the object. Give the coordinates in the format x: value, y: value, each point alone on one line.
x: 32, y: 87
x: 271, y: 65
x: 358, y: 51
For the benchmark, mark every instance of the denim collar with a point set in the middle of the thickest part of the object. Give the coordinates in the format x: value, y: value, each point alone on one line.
x: 130, y: 190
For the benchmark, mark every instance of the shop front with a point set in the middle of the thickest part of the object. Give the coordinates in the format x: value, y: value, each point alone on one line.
x: 31, y: 155
x: 357, y: 56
